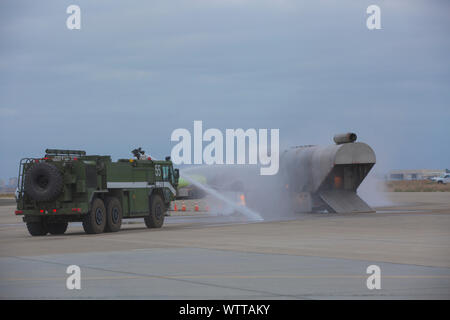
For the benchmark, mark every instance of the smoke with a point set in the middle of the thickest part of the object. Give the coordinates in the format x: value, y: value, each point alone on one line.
x: 373, y: 191
x: 252, y: 215
x: 265, y: 196
x: 294, y: 189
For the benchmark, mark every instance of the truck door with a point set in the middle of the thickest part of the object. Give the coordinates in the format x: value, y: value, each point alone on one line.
x: 166, y: 178
x: 171, y: 176
x: 165, y: 173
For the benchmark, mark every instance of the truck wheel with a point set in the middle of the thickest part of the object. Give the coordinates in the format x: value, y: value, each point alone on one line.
x: 155, y: 218
x: 57, y: 228
x: 95, y: 220
x: 37, y: 228
x: 43, y: 182
x: 113, y: 215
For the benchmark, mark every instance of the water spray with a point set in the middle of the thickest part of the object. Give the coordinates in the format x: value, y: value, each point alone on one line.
x: 242, y: 209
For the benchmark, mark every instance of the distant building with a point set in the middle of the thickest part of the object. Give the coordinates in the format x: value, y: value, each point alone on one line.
x: 417, y: 174
x: 10, y: 187
x: 12, y: 182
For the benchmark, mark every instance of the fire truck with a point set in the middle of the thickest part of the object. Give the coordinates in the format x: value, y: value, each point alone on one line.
x: 69, y: 186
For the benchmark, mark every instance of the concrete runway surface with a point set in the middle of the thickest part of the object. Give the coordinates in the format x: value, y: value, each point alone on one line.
x: 203, y: 256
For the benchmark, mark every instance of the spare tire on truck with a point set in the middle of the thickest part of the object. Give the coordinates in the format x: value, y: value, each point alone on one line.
x: 43, y: 182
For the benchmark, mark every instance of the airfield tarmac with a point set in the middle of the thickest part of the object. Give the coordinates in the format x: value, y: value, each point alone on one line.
x: 207, y: 256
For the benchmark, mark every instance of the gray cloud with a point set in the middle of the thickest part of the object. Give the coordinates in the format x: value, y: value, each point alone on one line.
x: 139, y: 69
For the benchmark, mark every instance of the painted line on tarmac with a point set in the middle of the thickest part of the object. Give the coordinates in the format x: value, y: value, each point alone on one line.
x: 406, y: 277
x: 182, y: 280
x: 11, y: 224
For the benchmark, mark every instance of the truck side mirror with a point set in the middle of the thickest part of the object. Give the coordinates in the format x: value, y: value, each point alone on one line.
x: 176, y: 173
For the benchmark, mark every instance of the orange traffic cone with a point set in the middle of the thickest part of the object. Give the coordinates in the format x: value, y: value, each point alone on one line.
x: 183, y: 207
x: 242, y: 197
x: 196, y: 207
x: 175, y: 207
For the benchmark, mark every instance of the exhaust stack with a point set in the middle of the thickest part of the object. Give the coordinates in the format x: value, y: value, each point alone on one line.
x: 345, y: 138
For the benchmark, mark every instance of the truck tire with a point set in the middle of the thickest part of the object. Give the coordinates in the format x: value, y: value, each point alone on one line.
x: 43, y: 182
x: 95, y: 220
x: 37, y: 228
x: 113, y: 215
x: 155, y: 218
x: 57, y: 228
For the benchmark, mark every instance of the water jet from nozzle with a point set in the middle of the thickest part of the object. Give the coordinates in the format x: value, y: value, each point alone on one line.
x: 244, y: 210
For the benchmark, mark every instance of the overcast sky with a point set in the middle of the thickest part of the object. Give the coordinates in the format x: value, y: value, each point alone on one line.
x: 137, y: 70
